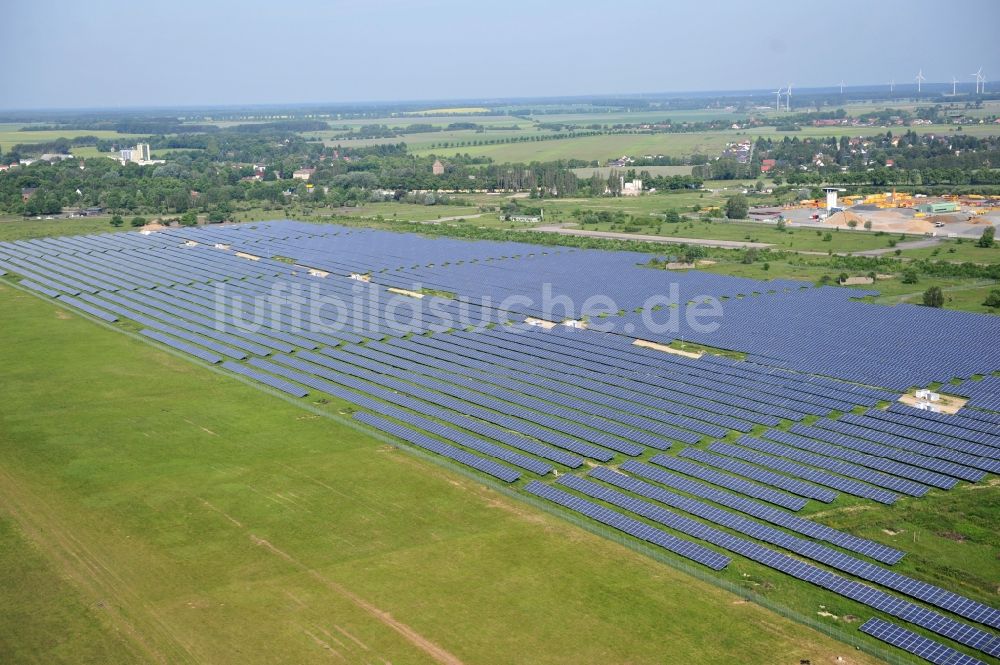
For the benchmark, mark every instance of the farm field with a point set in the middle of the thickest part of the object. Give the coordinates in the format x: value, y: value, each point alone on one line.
x: 11, y: 135
x: 213, y: 519
x: 16, y: 228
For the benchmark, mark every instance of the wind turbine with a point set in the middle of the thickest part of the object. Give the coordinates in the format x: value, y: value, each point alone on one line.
x: 841, y: 86
x: 954, y: 82
x: 892, y: 85
x: 920, y: 79
x: 777, y: 103
x: 788, y: 98
x: 980, y: 81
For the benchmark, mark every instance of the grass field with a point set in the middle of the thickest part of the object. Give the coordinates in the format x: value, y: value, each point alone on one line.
x: 17, y: 228
x: 951, y: 250
x: 152, y: 510
x: 10, y: 135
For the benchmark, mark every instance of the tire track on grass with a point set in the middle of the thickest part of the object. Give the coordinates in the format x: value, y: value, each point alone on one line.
x: 133, y: 619
x: 436, y: 652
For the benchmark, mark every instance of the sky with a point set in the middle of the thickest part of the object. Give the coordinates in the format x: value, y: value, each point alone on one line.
x: 128, y: 53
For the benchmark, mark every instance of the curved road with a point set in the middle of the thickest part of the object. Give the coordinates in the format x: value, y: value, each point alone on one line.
x: 725, y: 244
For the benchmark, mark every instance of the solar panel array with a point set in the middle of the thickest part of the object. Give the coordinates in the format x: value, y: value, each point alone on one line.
x: 982, y: 394
x: 793, y: 325
x: 633, y: 527
x: 862, y: 593
x: 928, y: 593
x: 488, y: 467
x: 918, y: 645
x: 518, y: 402
x: 762, y: 511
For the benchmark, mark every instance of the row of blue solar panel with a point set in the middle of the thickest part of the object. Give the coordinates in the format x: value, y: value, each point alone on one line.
x: 738, y: 501
x: 877, y: 430
x: 621, y: 424
x: 516, y: 421
x: 789, y: 393
x: 918, y: 645
x: 928, y: 593
x: 488, y: 467
x: 846, y: 485
x: 633, y: 527
x: 841, y: 434
x: 914, y: 474
x: 620, y: 392
x: 861, y: 473
x: 341, y: 389
x: 965, y: 420
x: 703, y: 400
x: 862, y: 593
x: 793, y: 485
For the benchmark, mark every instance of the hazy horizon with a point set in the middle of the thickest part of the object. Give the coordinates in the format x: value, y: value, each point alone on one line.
x: 69, y: 56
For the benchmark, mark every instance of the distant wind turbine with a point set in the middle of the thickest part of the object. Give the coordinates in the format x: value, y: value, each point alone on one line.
x: 954, y: 83
x: 920, y: 79
x: 788, y: 98
x: 777, y: 103
x: 980, y: 81
x: 892, y: 85
x: 841, y: 86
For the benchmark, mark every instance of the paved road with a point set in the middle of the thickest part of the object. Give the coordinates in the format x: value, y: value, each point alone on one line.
x: 725, y: 244
x: 452, y: 218
x: 909, y: 244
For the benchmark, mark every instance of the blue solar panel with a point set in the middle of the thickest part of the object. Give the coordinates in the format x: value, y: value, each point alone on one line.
x: 929, y: 593
x: 842, y: 434
x: 633, y: 527
x: 918, y: 645
x: 863, y: 593
x: 38, y: 287
x: 392, y: 397
x: 488, y: 467
x: 900, y: 425
x: 734, y: 483
x: 799, y: 437
x: 959, y: 464
x: 786, y: 483
x: 806, y: 473
x: 463, y: 439
x: 767, y: 513
x: 266, y: 379
x: 949, y: 424
x: 84, y: 307
x: 838, y: 466
x: 181, y: 346
x: 547, y: 422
